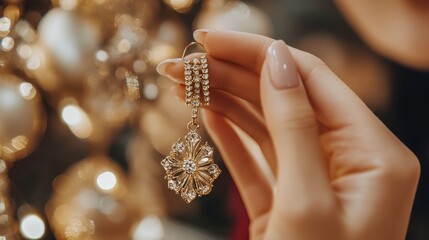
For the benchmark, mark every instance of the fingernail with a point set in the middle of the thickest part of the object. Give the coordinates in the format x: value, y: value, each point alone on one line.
x: 162, y: 66
x: 282, y: 67
x: 198, y: 34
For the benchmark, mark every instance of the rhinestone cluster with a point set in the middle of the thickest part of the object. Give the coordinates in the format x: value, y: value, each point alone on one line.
x: 196, y: 78
x: 190, y: 168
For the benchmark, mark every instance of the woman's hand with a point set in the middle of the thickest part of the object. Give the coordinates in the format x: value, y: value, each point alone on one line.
x: 340, y: 173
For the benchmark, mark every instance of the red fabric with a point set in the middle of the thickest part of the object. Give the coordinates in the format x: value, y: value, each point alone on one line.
x: 240, y: 231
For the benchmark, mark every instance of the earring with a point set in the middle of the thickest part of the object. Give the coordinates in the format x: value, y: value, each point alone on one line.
x: 190, y: 168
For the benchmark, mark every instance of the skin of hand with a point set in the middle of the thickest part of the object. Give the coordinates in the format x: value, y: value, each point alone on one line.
x: 340, y: 173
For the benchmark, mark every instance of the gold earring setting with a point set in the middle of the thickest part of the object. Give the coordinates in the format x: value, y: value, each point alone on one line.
x: 190, y: 168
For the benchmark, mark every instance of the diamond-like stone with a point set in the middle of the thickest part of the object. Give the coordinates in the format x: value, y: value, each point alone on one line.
x: 206, y: 82
x: 196, y: 102
x: 206, y: 87
x: 197, y: 85
x: 196, y: 61
x: 189, y: 166
x: 195, y: 67
x: 179, y: 147
x: 188, y: 88
x: 205, y: 76
x: 207, y: 99
x: 188, y: 78
x: 187, y: 60
x: 214, y: 170
x: 204, y: 189
x: 205, y: 70
x: 188, y: 94
x: 187, y: 66
x: 207, y: 150
x: 188, y: 72
x: 173, y: 184
x: 205, y: 65
x: 196, y: 72
x: 188, y: 196
x: 203, y: 60
x: 167, y: 164
x: 206, y: 93
x: 193, y: 137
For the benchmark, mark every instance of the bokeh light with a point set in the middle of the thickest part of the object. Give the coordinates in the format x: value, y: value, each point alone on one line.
x: 149, y: 228
x: 7, y: 43
x: 77, y: 120
x: 106, y: 180
x: 5, y: 24
x: 32, y: 226
x: 27, y: 90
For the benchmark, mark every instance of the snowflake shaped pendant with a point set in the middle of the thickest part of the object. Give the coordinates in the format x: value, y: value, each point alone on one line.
x: 190, y: 169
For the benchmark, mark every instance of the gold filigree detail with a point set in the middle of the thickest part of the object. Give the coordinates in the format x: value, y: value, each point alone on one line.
x: 190, y: 168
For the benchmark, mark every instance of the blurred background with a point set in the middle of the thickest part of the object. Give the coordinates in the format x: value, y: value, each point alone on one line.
x: 85, y: 119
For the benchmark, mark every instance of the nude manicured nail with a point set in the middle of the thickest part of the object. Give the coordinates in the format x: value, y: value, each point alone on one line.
x: 281, y: 66
x: 162, y: 66
x: 198, y: 34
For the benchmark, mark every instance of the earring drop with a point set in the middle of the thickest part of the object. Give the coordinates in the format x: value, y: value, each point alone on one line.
x: 190, y: 168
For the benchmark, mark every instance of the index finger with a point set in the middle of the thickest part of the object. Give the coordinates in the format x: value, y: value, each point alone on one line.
x: 245, y: 49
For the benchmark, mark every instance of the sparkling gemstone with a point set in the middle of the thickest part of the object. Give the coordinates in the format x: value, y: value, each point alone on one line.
x: 196, y: 102
x: 197, y: 84
x: 206, y: 87
x: 188, y: 88
x: 187, y: 66
x: 203, y: 60
x: 205, y: 70
x: 196, y: 72
x: 173, y: 184
x: 193, y: 137
x: 167, y: 164
x: 207, y: 99
x: 189, y: 166
x: 188, y: 78
x: 207, y: 150
x: 187, y: 60
x: 188, y: 72
x: 206, y: 82
x: 196, y: 61
x: 188, y: 94
x: 205, y: 76
x: 214, y: 170
x: 179, y: 147
x: 188, y: 196
x: 206, y: 93
x: 205, y: 65
x: 204, y: 189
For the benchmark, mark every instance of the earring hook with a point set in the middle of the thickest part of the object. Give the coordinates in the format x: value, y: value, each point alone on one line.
x: 190, y: 45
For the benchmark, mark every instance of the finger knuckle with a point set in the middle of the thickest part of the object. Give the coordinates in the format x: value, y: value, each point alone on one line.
x: 317, y: 210
x: 403, y: 167
x: 298, y: 118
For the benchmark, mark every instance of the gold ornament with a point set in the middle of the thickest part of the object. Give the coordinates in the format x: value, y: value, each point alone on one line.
x: 190, y: 168
x: 91, y: 200
x: 22, y: 119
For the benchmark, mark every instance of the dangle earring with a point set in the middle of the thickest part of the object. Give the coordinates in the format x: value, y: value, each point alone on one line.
x: 190, y: 168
